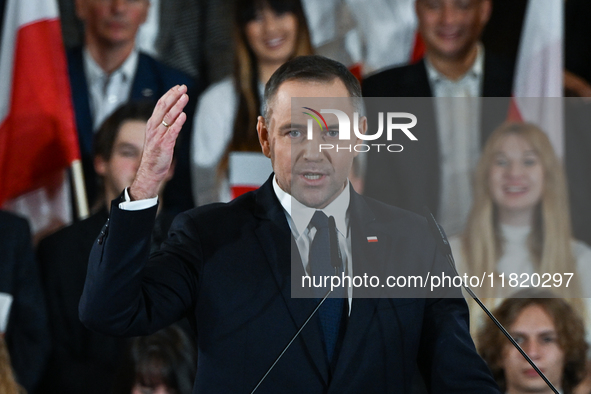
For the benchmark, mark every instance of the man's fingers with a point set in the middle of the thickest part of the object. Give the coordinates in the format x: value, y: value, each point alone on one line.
x: 170, y: 117
x: 167, y: 138
x: 175, y: 128
x: 163, y: 106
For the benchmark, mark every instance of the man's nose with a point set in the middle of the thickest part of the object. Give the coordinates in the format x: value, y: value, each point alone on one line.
x: 533, y: 349
x: 118, y: 5
x: 312, y: 149
x: 449, y: 14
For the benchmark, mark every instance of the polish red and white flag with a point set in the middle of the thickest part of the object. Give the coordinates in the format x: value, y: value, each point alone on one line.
x: 38, y: 139
x: 538, y: 84
x: 247, y: 172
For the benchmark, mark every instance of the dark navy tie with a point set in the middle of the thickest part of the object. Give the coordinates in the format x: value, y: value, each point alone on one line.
x: 331, y: 312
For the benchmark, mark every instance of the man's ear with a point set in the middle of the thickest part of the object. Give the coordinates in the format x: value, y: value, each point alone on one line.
x: 485, y: 11
x: 264, y: 136
x: 146, y: 11
x: 100, y: 165
x: 81, y: 9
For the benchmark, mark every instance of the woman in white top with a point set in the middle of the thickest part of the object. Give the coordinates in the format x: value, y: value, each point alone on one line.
x: 267, y: 34
x: 519, y: 222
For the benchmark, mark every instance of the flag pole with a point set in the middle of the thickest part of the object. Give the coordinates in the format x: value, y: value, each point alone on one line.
x: 80, y: 199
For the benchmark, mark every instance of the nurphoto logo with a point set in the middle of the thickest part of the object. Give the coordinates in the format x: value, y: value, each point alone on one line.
x: 344, y: 132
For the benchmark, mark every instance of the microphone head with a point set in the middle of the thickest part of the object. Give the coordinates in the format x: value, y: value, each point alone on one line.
x: 437, y: 231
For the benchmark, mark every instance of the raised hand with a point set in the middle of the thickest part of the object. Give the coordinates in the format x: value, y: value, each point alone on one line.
x: 162, y: 129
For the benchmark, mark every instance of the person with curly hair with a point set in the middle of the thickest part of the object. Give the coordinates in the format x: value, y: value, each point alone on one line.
x: 549, y: 331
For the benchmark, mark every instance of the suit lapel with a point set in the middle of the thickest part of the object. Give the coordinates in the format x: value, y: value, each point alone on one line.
x: 421, y: 87
x: 278, y: 245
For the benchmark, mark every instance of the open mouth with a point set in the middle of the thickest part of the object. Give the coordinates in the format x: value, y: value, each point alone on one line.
x: 312, y: 176
x: 531, y: 373
x: 515, y: 189
x: 274, y: 42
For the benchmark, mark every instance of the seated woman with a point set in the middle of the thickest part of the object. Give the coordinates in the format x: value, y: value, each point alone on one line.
x: 267, y: 34
x: 519, y: 222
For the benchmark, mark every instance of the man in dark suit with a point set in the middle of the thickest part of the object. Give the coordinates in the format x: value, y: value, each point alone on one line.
x: 227, y: 266
x: 108, y: 71
x: 82, y: 361
x: 432, y: 172
x: 27, y: 336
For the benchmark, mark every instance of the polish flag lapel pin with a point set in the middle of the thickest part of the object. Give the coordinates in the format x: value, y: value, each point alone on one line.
x: 372, y: 238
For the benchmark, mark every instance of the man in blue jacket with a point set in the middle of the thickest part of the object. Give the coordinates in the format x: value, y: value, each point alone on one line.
x: 108, y: 71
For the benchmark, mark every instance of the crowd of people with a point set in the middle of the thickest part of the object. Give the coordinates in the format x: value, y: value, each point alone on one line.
x: 507, y: 200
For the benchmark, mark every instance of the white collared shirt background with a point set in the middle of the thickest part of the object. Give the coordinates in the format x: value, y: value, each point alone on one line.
x: 458, y: 130
x: 108, y: 91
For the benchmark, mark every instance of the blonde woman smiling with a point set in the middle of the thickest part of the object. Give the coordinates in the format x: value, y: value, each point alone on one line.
x: 519, y: 222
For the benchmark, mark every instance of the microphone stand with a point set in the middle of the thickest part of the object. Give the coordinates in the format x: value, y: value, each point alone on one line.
x: 290, y: 342
x: 442, y: 241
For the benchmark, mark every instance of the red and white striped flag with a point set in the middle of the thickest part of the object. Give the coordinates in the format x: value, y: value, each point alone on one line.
x: 248, y: 171
x: 539, y: 70
x: 38, y: 139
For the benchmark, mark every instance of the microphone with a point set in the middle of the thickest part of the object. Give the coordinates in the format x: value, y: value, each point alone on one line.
x: 336, y: 262
x: 443, y: 243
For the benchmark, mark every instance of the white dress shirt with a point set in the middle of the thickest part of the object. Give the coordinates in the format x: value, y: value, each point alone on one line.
x: 458, y: 129
x: 298, y: 217
x: 108, y: 91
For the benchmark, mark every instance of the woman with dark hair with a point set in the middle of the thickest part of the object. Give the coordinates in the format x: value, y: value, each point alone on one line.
x: 267, y: 33
x: 161, y: 363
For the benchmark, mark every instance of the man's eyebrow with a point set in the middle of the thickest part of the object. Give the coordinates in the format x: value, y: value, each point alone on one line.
x: 126, y: 145
x: 289, y: 126
x: 533, y: 334
x: 547, y: 332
